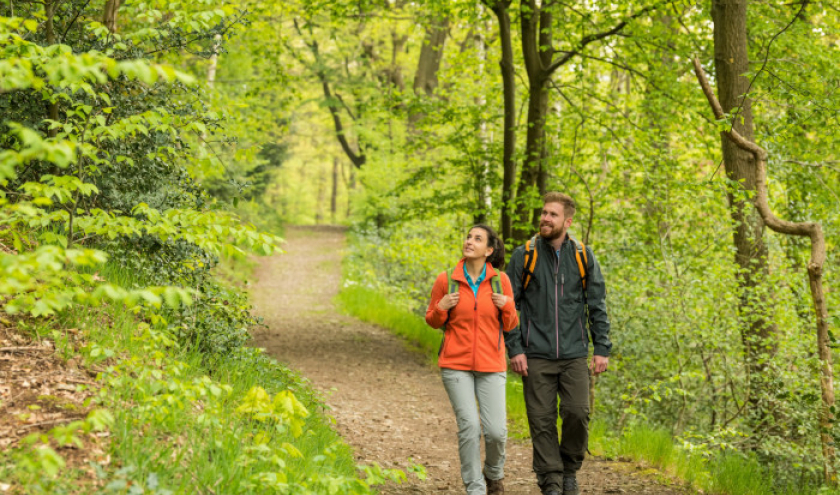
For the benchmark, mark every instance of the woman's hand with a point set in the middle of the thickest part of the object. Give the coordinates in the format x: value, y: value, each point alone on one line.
x: 448, y: 301
x: 500, y: 300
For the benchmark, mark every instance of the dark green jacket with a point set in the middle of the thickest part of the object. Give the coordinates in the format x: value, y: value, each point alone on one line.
x: 552, y: 319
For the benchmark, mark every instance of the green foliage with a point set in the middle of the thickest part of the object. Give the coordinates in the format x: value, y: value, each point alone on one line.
x: 241, y: 422
x: 101, y: 220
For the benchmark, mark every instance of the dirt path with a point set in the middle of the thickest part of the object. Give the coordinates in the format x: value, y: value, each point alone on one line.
x: 388, y: 404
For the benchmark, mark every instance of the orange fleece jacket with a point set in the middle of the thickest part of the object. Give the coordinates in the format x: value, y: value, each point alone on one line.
x: 471, y: 339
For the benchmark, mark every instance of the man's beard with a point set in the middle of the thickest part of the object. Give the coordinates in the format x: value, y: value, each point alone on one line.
x: 554, y: 234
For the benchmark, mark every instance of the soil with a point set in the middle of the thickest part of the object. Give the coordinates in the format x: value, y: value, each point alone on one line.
x: 388, y: 403
x: 41, y: 390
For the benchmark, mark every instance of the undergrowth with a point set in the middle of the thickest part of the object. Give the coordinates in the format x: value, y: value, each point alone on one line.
x: 181, y: 420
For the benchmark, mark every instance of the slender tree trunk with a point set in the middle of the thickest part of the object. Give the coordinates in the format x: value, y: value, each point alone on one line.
x: 319, y: 208
x: 211, y: 69
x: 109, y: 19
x: 431, y: 54
x: 654, y: 106
x: 395, y: 76
x: 813, y: 231
x: 484, y: 203
x: 357, y: 156
x: 334, y: 195
x: 52, y: 107
x: 211, y: 74
x: 500, y: 9
x: 536, y: 32
x: 757, y: 333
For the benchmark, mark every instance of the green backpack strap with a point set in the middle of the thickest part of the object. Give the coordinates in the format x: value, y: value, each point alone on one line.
x: 452, y: 285
x: 451, y: 288
x: 496, y: 284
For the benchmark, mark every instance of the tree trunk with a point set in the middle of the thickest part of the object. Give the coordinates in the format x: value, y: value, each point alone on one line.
x: 319, y: 208
x: 731, y: 63
x: 395, y: 76
x: 109, y: 19
x: 484, y: 203
x: 431, y: 54
x: 334, y: 195
x: 654, y: 106
x: 357, y: 158
x: 500, y: 9
x: 815, y: 270
x: 211, y: 74
x: 536, y: 33
x: 52, y: 107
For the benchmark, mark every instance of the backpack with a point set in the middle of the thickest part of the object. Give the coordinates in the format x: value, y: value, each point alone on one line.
x: 531, y: 264
x: 495, y: 284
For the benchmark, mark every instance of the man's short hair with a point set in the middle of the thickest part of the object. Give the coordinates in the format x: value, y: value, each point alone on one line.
x: 564, y: 199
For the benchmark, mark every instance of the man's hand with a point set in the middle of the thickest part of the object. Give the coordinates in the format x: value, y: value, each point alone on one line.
x: 499, y: 300
x: 519, y: 364
x: 448, y: 301
x: 599, y: 364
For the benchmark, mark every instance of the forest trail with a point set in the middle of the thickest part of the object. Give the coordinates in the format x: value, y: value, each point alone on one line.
x: 389, y: 405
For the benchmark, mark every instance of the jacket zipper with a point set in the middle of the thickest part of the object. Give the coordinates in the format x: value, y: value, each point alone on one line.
x: 528, y: 336
x: 556, y: 303
x: 475, y: 325
x: 582, y: 333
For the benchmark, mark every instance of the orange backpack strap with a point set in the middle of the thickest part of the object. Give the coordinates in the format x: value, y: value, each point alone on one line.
x: 530, y: 262
x: 583, y: 266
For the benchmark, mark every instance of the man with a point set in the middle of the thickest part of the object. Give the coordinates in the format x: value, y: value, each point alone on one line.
x: 550, y: 347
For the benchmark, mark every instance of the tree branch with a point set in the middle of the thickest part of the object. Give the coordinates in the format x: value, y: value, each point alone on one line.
x: 591, y: 38
x: 815, y: 270
x: 766, y: 58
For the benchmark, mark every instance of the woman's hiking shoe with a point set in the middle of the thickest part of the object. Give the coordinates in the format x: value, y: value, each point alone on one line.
x: 570, y: 486
x: 494, y: 487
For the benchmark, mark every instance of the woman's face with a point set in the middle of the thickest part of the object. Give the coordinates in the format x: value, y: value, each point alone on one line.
x: 475, y: 245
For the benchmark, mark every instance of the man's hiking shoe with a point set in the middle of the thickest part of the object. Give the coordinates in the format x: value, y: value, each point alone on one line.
x: 495, y: 487
x: 552, y: 492
x: 570, y: 486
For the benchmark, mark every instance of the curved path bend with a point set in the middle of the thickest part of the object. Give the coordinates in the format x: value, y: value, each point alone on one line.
x: 388, y: 404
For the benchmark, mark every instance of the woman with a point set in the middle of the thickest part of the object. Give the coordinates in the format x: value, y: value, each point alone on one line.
x: 472, y: 355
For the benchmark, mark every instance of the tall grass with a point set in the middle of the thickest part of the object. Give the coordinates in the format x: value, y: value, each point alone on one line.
x: 372, y: 307
x: 727, y: 473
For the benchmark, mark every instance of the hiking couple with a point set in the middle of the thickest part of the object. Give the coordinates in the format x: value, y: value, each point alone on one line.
x: 557, y: 286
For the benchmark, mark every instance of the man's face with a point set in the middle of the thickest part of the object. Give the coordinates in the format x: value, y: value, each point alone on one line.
x: 553, y: 221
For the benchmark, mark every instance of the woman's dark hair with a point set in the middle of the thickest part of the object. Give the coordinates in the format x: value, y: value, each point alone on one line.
x: 493, y: 241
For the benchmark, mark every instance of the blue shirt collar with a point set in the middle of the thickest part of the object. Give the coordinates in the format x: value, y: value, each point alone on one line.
x: 474, y: 285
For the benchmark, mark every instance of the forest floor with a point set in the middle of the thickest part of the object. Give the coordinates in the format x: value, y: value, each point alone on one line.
x: 388, y: 403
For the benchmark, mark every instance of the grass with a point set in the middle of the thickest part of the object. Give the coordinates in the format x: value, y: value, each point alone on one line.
x: 180, y: 421
x: 727, y: 473
x: 373, y: 307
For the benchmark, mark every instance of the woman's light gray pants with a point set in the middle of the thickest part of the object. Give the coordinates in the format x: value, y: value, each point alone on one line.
x: 478, y: 400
